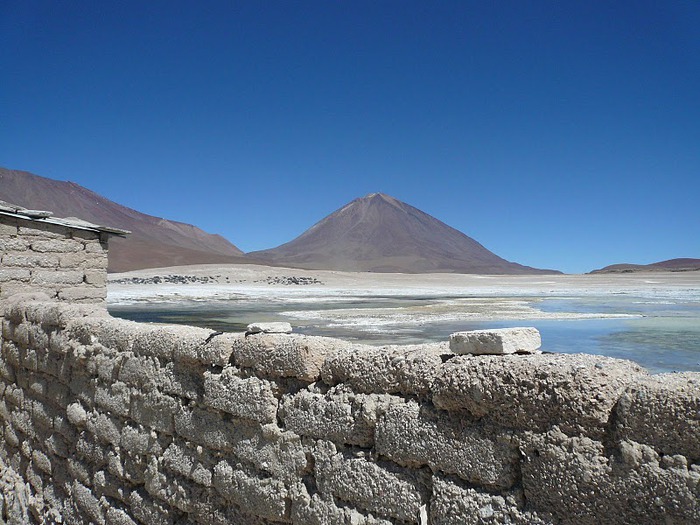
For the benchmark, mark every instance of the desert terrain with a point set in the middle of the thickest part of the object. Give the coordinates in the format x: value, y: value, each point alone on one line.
x: 207, y: 280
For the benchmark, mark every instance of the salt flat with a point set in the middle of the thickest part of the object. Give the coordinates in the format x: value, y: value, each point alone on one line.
x: 220, y: 281
x: 652, y: 318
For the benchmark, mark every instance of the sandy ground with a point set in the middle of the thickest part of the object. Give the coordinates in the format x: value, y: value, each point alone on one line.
x: 204, y: 281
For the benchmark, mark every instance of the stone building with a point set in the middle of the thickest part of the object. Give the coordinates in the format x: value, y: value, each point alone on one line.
x: 64, y: 258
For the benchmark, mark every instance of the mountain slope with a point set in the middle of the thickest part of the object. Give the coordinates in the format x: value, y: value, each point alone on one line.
x: 382, y: 234
x: 154, y: 241
x: 672, y: 265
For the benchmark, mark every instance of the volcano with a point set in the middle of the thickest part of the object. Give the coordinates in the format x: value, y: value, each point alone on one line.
x: 153, y: 242
x: 379, y: 233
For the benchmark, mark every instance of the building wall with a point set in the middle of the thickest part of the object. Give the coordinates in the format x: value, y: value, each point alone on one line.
x: 68, y: 264
x: 115, y: 422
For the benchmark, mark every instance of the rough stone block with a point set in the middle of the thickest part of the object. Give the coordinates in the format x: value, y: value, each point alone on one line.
x: 107, y: 484
x: 56, y: 246
x: 184, y: 343
x: 65, y: 428
x: 265, y: 497
x: 21, y: 420
x: 41, y: 461
x: 82, y: 386
x: 14, y: 274
x: 269, y: 449
x: 45, y: 230
x: 83, y: 294
x: 5, y: 410
x: 28, y: 358
x: 42, y: 416
x: 58, y: 394
x: 78, y: 470
x: 132, y: 467
x: 96, y: 277
x: 662, y: 411
x: 148, y: 510
x: 57, y: 445
x: 10, y: 353
x: 453, y: 503
x: 141, y: 372
x: 72, y: 260
x: 96, y: 247
x: 249, y: 398
x: 7, y: 371
x: 497, y: 341
x: 88, y: 503
x: 286, y: 355
x: 635, y: 485
x: 136, y: 441
x: 181, y: 380
x: 115, y: 334
x: 20, y: 335
x: 535, y: 392
x: 318, y: 509
x: 96, y: 261
x: 14, y: 395
x: 77, y: 415
x: 12, y: 438
x: 415, y: 436
x: 107, y: 365
x: 387, y: 491
x: 10, y: 289
x: 8, y: 228
x: 192, y: 463
x: 210, y: 428
x: 154, y: 410
x: 118, y: 517
x: 52, y: 314
x: 106, y: 429
x: 171, y: 488
x: 13, y: 244
x: 339, y: 415
x: 268, y: 328
x: 30, y: 260
x: 114, y: 398
x: 407, y: 370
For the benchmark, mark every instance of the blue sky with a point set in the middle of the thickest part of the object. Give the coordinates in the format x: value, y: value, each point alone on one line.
x: 558, y: 134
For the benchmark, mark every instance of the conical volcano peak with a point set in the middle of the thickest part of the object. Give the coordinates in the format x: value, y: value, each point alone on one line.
x: 379, y: 196
x: 380, y: 233
x: 372, y: 200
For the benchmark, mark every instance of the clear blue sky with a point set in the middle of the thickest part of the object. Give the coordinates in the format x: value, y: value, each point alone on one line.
x: 558, y: 134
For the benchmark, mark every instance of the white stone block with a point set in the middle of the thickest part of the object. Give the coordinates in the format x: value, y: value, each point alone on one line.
x: 497, y: 341
x: 269, y: 328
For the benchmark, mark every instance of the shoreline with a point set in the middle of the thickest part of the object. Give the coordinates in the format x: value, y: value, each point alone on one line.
x: 208, y: 281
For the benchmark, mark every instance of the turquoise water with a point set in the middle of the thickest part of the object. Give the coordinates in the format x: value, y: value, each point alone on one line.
x: 662, y: 335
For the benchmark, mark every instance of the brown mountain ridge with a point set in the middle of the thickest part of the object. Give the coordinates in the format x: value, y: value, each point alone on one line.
x: 153, y: 242
x: 379, y: 233
x: 376, y: 233
x: 682, y: 264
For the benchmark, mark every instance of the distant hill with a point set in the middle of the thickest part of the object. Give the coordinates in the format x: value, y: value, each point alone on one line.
x: 154, y: 242
x: 672, y: 265
x: 379, y: 233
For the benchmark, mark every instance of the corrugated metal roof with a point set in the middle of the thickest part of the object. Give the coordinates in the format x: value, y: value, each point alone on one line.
x: 46, y: 217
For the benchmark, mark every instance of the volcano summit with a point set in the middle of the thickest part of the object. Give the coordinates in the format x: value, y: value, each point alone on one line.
x: 379, y: 233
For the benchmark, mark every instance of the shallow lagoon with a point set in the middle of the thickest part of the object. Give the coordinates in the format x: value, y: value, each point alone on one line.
x: 658, y: 329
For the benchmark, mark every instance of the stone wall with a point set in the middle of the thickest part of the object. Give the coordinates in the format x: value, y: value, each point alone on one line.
x: 113, y: 422
x: 66, y: 263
